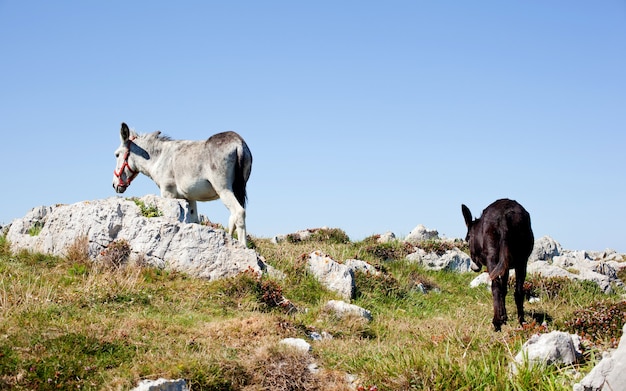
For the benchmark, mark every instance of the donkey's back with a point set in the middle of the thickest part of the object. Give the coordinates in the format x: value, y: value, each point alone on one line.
x: 505, y: 225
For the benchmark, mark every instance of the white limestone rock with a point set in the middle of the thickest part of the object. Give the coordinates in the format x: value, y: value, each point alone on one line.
x: 556, y: 347
x: 333, y: 275
x: 545, y: 249
x: 162, y: 385
x: 453, y: 260
x: 387, y: 237
x: 342, y: 309
x: 298, y: 344
x: 420, y: 233
x: 361, y: 266
x: 165, y: 242
x: 482, y: 279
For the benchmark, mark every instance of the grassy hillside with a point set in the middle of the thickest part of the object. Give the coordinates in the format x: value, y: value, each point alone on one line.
x: 66, y: 323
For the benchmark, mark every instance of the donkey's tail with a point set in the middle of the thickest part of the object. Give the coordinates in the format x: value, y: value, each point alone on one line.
x: 242, y: 172
x: 504, y: 260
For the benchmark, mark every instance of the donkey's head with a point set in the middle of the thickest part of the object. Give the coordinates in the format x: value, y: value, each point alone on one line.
x: 472, y: 238
x: 124, y: 172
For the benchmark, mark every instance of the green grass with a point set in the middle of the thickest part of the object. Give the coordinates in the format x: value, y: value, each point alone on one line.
x: 35, y: 229
x: 66, y: 323
x: 147, y: 210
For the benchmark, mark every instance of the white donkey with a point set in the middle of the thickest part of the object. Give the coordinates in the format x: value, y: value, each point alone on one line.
x: 192, y: 170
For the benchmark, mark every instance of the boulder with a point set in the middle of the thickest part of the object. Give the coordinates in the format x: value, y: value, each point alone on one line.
x: 343, y: 309
x: 333, y: 275
x: 482, y: 279
x: 165, y: 242
x: 162, y: 385
x: 420, y: 233
x: 361, y: 266
x: 610, y: 373
x: 324, y: 335
x: 387, y: 237
x: 297, y: 343
x: 556, y: 347
x: 545, y: 249
x: 453, y: 260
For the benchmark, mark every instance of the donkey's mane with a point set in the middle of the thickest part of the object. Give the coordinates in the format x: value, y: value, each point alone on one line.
x: 155, y: 135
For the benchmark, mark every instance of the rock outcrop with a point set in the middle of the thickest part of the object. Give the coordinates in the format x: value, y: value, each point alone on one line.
x: 453, y: 260
x: 166, y: 241
x: 548, y: 259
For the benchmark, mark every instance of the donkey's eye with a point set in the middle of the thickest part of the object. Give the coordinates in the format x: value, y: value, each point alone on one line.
x: 117, y: 154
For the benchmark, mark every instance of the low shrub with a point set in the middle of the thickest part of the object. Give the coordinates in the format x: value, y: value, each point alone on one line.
x: 330, y: 235
x: 116, y: 254
x: 440, y: 247
x: 389, y: 251
x: 267, y: 293
x: 602, y: 322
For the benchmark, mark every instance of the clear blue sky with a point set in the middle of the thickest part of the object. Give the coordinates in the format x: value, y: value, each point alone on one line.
x: 370, y: 116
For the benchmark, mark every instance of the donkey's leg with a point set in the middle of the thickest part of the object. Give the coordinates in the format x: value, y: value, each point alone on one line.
x: 193, y: 211
x: 520, y: 277
x: 505, y: 290
x: 498, y: 291
x: 237, y: 215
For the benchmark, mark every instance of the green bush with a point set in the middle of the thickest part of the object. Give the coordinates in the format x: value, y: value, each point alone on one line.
x: 147, y: 211
x: 35, y: 229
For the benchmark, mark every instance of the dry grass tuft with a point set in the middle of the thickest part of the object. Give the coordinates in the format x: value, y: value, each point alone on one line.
x: 78, y: 252
x: 279, y: 368
x: 242, y: 333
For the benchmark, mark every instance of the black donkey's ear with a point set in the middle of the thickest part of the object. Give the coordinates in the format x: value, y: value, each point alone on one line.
x: 467, y: 215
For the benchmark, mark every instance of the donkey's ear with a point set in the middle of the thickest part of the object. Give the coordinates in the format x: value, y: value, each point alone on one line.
x: 124, y: 132
x: 467, y: 215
